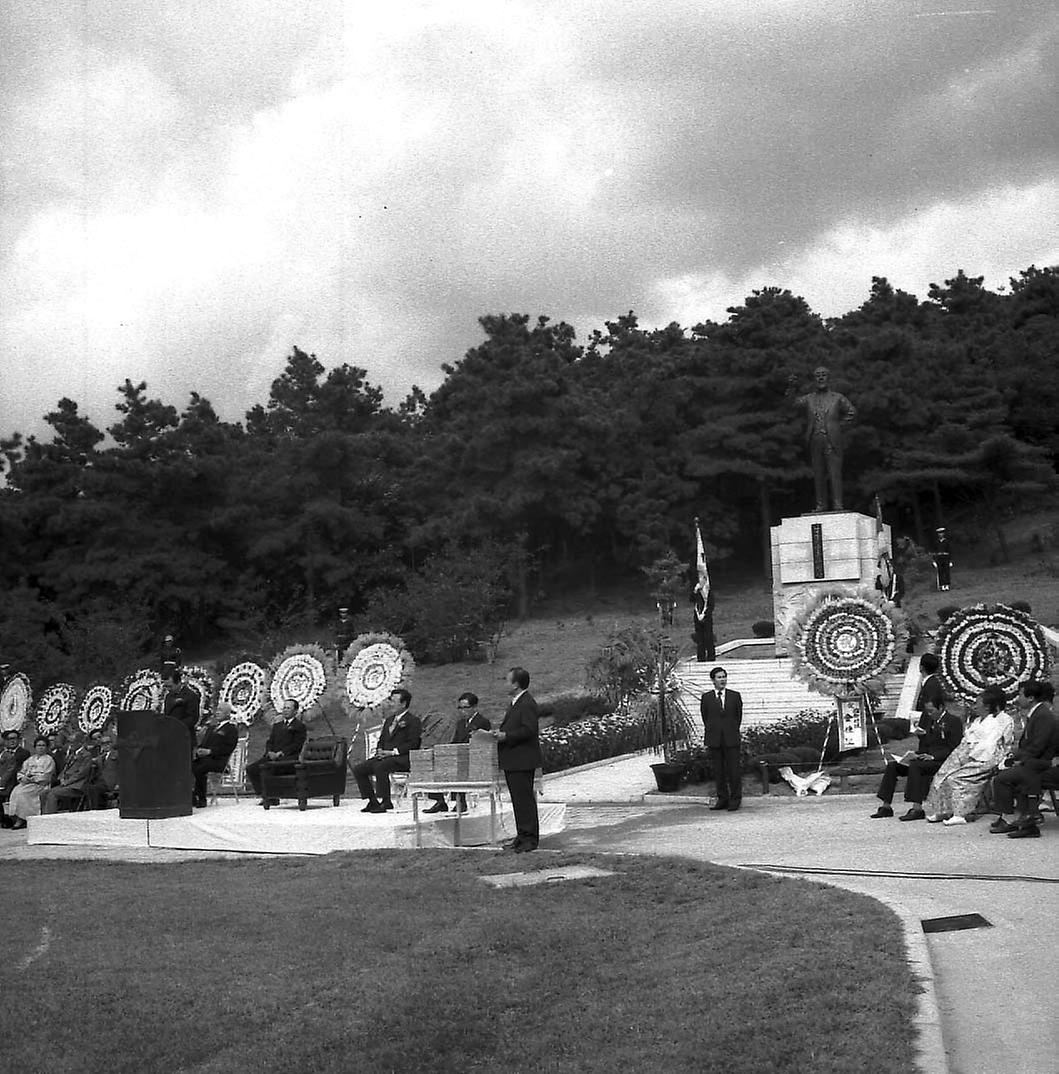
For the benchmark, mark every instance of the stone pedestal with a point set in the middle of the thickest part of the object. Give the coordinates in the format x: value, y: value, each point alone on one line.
x: 822, y: 550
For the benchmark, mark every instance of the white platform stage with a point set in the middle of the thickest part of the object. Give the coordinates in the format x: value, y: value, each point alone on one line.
x: 284, y: 829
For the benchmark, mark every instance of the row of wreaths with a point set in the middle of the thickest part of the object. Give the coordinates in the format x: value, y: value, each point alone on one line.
x: 842, y: 643
x: 370, y: 669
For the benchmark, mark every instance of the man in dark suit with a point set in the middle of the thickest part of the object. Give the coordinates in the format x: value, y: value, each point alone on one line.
x: 939, y: 734
x: 12, y: 754
x: 211, y: 755
x: 1018, y: 783
x: 722, y: 713
x: 59, y: 752
x: 75, y: 776
x: 285, y: 742
x: 182, y: 702
x: 104, y: 781
x: 931, y: 687
x: 401, y: 733
x: 519, y: 757
x: 468, y: 719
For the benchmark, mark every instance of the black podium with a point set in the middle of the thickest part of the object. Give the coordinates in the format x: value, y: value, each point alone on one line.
x: 154, y: 766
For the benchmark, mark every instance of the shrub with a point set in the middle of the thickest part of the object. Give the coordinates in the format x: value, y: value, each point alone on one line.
x: 566, y: 709
x: 764, y: 628
x: 946, y: 611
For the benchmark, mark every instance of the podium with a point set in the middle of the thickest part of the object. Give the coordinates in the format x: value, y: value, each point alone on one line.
x: 154, y: 766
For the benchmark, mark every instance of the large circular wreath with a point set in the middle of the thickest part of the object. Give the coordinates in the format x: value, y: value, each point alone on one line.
x: 16, y: 700
x: 201, y: 680
x: 244, y: 689
x: 990, y: 645
x: 55, y: 707
x: 839, y: 641
x: 141, y: 690
x: 376, y: 664
x: 298, y: 674
x: 95, y: 708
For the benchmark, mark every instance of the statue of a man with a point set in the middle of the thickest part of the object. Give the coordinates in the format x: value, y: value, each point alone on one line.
x: 826, y: 412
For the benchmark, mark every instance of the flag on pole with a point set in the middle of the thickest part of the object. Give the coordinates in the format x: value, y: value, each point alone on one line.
x: 702, y: 569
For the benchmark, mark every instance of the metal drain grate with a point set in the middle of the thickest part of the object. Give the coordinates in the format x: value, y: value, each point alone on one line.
x: 955, y: 923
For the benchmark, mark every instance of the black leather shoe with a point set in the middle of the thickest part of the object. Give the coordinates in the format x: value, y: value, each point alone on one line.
x: 525, y: 848
x: 882, y: 811
x: 733, y: 806
x: 718, y: 806
x: 1028, y: 831
x: 387, y: 805
x: 913, y: 814
x: 511, y: 844
x: 437, y: 807
x: 1001, y: 827
x: 373, y: 807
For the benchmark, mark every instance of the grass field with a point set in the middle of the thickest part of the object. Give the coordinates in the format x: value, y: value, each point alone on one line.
x: 390, y: 961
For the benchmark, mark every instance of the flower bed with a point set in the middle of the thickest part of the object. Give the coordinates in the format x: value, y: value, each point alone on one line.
x: 594, y: 739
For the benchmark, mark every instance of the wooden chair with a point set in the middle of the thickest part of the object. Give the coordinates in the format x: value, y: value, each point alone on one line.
x: 234, y: 774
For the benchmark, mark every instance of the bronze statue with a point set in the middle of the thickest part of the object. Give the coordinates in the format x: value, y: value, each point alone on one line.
x: 826, y: 412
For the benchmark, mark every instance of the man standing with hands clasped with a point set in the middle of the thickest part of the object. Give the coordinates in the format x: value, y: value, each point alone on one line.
x: 519, y: 756
x: 722, y: 713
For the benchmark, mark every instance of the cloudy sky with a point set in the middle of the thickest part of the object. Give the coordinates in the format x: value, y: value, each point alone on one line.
x: 188, y: 189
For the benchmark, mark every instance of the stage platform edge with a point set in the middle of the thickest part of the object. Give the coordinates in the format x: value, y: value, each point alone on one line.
x: 244, y: 827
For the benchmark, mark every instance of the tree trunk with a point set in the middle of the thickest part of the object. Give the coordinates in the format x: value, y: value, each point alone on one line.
x: 917, y: 519
x: 766, y: 527
x: 939, y: 514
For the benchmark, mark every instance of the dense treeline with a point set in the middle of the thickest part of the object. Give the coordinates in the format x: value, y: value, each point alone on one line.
x: 537, y: 458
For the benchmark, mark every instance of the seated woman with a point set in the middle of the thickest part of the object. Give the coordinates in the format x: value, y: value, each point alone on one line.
x: 34, y: 778
x: 988, y: 737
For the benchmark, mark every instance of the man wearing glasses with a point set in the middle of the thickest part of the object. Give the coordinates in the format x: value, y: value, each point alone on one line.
x: 468, y: 719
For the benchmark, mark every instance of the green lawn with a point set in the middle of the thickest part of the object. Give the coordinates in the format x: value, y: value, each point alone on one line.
x: 392, y: 961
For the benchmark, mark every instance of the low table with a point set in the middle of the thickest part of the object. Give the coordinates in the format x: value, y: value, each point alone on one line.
x: 492, y: 788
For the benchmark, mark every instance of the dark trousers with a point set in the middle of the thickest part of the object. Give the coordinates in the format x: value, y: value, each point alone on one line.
x: 1015, y: 786
x: 200, y: 769
x: 827, y: 469
x: 727, y: 773
x: 380, y: 768
x: 705, y: 645
x: 917, y: 785
x: 275, y: 768
x: 524, y: 806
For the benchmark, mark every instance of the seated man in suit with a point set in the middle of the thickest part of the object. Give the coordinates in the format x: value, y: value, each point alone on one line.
x: 939, y: 734
x: 12, y: 754
x: 468, y: 720
x: 285, y: 742
x: 59, y: 751
x: 75, y: 776
x: 211, y: 755
x: 401, y: 733
x: 1018, y: 783
x: 103, y: 785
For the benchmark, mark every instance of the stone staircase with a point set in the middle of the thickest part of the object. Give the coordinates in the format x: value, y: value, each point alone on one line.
x: 769, y: 692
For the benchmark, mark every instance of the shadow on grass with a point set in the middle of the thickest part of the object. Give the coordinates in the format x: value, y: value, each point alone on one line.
x: 394, y: 961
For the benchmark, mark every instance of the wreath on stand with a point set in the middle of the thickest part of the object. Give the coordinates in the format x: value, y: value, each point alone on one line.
x: 299, y: 673
x: 840, y: 643
x: 375, y: 665
x: 142, y: 690
x: 244, y: 688
x: 95, y: 708
x: 16, y: 701
x: 55, y: 708
x: 991, y: 645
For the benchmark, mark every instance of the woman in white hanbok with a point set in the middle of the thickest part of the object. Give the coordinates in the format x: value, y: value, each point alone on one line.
x: 34, y: 778
x: 990, y: 735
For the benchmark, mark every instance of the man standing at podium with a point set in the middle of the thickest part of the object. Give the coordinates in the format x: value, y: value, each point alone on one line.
x: 285, y: 742
x: 182, y: 703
